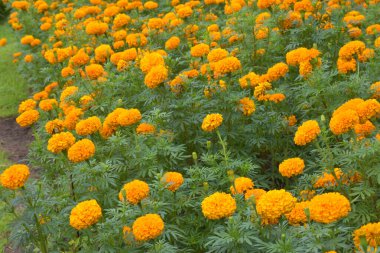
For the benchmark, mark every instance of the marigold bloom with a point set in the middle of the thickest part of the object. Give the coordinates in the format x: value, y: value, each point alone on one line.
x: 28, y: 118
x: 274, y: 204
x: 3, y: 42
x: 298, y: 215
x: 329, y: 207
x: 212, y: 122
x: 85, y: 214
x: 328, y: 179
x: 136, y: 40
x: 81, y: 151
x: 145, y: 128
x: 72, y: 118
x: 157, y: 75
x: 96, y: 28
x: 129, y: 117
x: 27, y: 105
x: 227, y: 65
x: 150, y: 60
x: 200, y: 50
x: 247, y: 106
x: 218, y: 205
x: 371, y: 233
x: 88, y: 126
x: 54, y: 126
x: 172, y: 43
x: 60, y: 141
x: 277, y: 71
x: 255, y: 194
x: 14, y: 176
x: 103, y: 52
x: 291, y: 167
x: 172, y: 180
x: 242, y: 185
x: 48, y: 104
x: 80, y: 58
x: 134, y: 191
x: 94, y: 71
x: 148, y: 227
x: 344, y: 121
x: 307, y: 132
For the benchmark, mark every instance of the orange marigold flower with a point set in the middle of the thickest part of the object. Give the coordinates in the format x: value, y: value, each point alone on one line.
x: 328, y: 179
x: 129, y: 117
x: 157, y: 75
x: 48, y: 104
x: 28, y: 118
x: 292, y: 120
x: 350, y: 49
x: 368, y: 109
x: 184, y: 12
x: 3, y: 42
x: 172, y: 43
x: 217, y: 54
x: 375, y: 88
x: 150, y: 5
x: 148, y: 227
x: 218, y: 205
x: 298, y: 215
x: 150, y: 60
x: 329, y: 207
x: 103, y: 52
x: 134, y: 191
x: 60, y: 141
x: 277, y: 71
x: 200, y: 50
x: 249, y: 80
x: 85, y: 214
x: 371, y: 234
x: 88, y: 126
x: 172, y: 180
x: 274, y: 204
x: 81, y: 151
x: 27, y: 105
x: 247, y: 106
x: 307, y: 132
x: 291, y: 167
x: 14, y: 176
x: 121, y: 20
x: 242, y: 185
x: 72, y: 118
x: 54, y: 126
x: 343, y: 122
x: 80, y: 58
x: 96, y: 28
x: 364, y: 129
x: 227, y: 65
x: 145, y: 128
x: 40, y: 95
x: 136, y: 40
x: 212, y: 122
x: 94, y: 71
x: 254, y: 194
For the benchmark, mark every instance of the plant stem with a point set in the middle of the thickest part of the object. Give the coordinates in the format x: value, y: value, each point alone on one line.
x: 223, y: 143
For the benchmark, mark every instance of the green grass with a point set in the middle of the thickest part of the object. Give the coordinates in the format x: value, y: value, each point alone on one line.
x: 12, y: 87
x: 5, y: 217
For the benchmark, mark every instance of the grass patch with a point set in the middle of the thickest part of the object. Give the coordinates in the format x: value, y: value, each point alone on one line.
x: 5, y: 217
x: 12, y: 87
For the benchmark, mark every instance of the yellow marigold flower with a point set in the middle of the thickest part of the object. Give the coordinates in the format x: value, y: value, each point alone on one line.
x: 72, y: 118
x: 350, y: 49
x: 307, y: 132
x: 277, y: 71
x: 121, y: 20
x: 157, y: 75
x: 328, y: 179
x: 136, y: 40
x: 94, y: 71
x: 150, y: 60
x: 292, y: 120
x: 14, y: 176
x: 148, y: 227
x: 54, y: 126
x: 48, y: 104
x: 134, y: 191
x: 28, y: 58
x: 212, y: 122
x: 103, y: 52
x: 227, y: 65
x: 344, y: 121
x: 291, y: 167
x: 81, y: 151
x: 371, y: 233
x: 88, y: 126
x: 129, y: 117
x: 255, y: 194
x: 85, y: 214
x: 249, y: 80
x: 80, y: 58
x: 247, y: 106
x: 172, y: 180
x: 329, y: 207
x: 377, y: 42
x: 96, y: 28
x: 298, y: 215
x: 345, y: 66
x: 364, y: 129
x: 218, y: 205
x: 200, y: 50
x: 368, y: 109
x: 242, y: 185
x: 150, y: 5
x: 28, y: 118
x: 3, y: 42
x: 274, y: 204
x: 375, y: 88
x: 40, y: 95
x: 145, y: 128
x: 172, y: 43
x: 67, y: 71
x: 184, y: 12
x: 217, y: 54
x: 27, y: 105
x: 60, y: 141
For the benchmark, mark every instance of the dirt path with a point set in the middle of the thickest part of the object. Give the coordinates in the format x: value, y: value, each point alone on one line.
x: 14, y: 140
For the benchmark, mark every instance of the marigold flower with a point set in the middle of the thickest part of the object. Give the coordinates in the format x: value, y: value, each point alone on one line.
x: 328, y: 179
x: 298, y: 215
x: 241, y: 185
x: 247, y: 106
x: 249, y: 80
x: 28, y: 118
x: 172, y: 180
x: 277, y: 71
x: 227, y: 65
x: 200, y: 50
x: 218, y: 205
x: 85, y: 214
x: 60, y: 141
x: 291, y: 167
x: 94, y: 71
x: 27, y: 105
x: 103, y: 52
x: 172, y: 43
x: 344, y: 121
x: 129, y: 117
x: 145, y: 128
x: 81, y: 151
x: 371, y: 233
x: 148, y: 227
x: 307, y: 132
x: 48, y: 104
x: 72, y: 118
x: 150, y: 60
x: 136, y: 40
x: 96, y: 28
x: 255, y: 194
x: 274, y: 204
x: 88, y: 126
x: 134, y: 191
x: 329, y: 207
x: 14, y: 176
x: 157, y: 75
x: 212, y: 122
x: 54, y: 126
